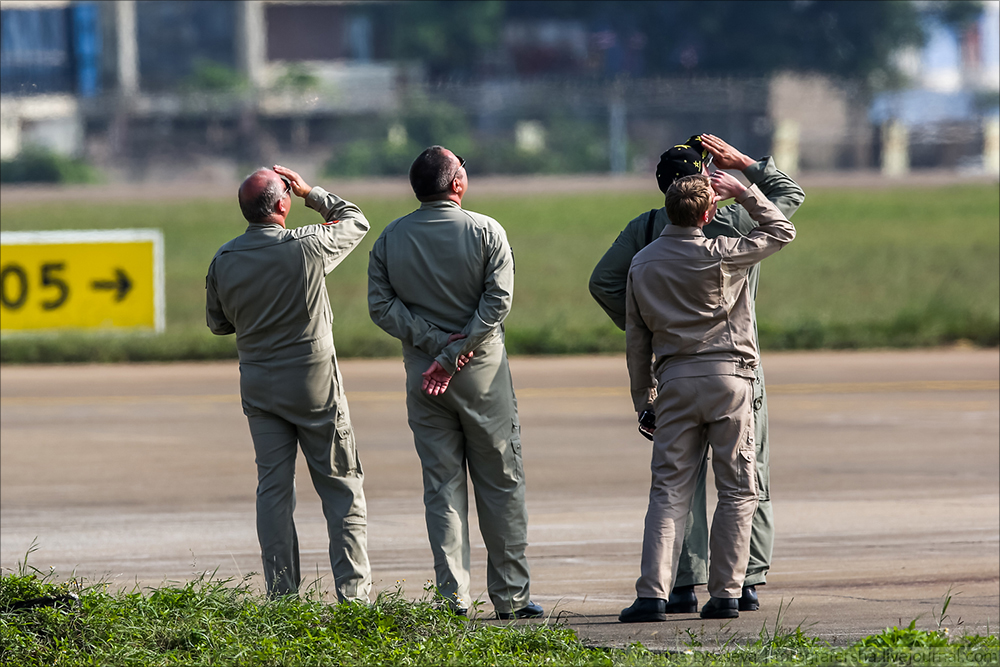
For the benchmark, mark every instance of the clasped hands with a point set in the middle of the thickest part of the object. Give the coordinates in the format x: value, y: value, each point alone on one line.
x: 436, y: 378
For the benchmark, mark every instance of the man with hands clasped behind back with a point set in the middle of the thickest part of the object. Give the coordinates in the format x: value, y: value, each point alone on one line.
x: 608, y: 286
x: 689, y: 310
x: 441, y: 279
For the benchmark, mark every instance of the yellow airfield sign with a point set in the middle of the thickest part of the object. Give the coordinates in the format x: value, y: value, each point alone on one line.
x: 87, y: 279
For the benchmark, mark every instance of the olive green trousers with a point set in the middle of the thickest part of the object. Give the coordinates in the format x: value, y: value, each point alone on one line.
x: 300, y: 403
x: 472, y: 432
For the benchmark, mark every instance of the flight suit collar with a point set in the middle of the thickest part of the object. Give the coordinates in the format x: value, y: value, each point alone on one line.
x: 259, y: 236
x: 266, y: 227
x: 674, y: 230
x: 439, y: 204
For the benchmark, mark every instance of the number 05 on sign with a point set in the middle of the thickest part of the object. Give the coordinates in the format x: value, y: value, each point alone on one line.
x: 91, y: 279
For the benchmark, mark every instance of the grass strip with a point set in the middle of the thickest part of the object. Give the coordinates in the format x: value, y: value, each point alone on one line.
x: 875, y: 268
x: 210, y: 621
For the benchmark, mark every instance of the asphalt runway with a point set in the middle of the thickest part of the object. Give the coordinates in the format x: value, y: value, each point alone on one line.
x: 885, y: 480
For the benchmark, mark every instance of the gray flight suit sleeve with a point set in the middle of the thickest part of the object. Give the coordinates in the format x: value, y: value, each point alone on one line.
x: 494, y: 304
x: 780, y: 190
x: 607, y: 282
x: 216, y: 319
x: 638, y: 353
x: 343, y: 230
x: 391, y: 314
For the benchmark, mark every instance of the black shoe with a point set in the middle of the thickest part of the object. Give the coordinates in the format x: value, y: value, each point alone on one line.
x: 644, y: 610
x: 460, y: 611
x: 532, y: 610
x: 682, y: 601
x: 721, y: 608
x: 749, y: 600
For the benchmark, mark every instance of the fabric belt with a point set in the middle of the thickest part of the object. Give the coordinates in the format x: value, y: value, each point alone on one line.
x: 292, y: 351
x: 697, y: 368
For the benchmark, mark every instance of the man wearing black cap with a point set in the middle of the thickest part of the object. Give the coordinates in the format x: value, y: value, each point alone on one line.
x: 608, y: 287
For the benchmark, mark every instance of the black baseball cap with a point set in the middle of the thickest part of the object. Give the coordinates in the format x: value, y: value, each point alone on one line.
x: 681, y: 160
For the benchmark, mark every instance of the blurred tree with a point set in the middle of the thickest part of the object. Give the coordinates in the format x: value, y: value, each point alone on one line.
x: 958, y: 14
x: 737, y: 38
x: 696, y: 37
x: 733, y: 38
x: 213, y: 77
x: 448, y: 36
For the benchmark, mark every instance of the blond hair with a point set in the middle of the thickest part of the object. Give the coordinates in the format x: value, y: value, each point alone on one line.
x: 687, y: 200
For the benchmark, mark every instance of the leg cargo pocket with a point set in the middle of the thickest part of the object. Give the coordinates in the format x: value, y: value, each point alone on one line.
x: 345, y: 454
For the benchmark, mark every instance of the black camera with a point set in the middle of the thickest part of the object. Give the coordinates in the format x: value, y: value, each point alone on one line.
x: 647, y: 423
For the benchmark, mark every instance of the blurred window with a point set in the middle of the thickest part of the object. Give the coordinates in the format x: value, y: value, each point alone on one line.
x: 177, y: 37
x: 319, y: 31
x: 35, y: 53
x: 307, y: 32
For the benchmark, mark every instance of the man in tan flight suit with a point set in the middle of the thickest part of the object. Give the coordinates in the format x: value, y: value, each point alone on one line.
x: 441, y: 279
x: 607, y: 285
x: 690, y: 311
x: 268, y: 286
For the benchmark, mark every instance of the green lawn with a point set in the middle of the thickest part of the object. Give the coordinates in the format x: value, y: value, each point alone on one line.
x: 210, y: 622
x: 898, y: 267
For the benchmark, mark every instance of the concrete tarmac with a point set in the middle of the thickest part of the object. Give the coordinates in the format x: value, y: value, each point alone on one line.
x: 885, y: 481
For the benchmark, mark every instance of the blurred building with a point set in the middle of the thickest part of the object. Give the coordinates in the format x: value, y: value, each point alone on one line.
x: 949, y: 110
x: 148, y: 88
x: 165, y: 77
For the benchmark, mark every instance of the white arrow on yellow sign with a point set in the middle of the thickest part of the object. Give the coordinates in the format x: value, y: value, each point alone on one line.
x: 85, y: 279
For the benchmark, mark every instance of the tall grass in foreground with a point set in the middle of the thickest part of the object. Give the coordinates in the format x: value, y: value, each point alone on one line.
x: 208, y: 621
x: 874, y: 268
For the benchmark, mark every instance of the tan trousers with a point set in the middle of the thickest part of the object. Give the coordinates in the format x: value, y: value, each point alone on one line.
x: 472, y: 431
x: 689, y: 411
x: 293, y: 403
x: 693, y: 568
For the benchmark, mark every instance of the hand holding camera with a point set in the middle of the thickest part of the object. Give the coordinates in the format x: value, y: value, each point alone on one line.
x: 647, y: 424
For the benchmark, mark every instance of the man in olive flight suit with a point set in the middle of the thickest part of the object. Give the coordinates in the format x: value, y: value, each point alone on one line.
x: 268, y: 286
x: 608, y: 285
x: 441, y: 280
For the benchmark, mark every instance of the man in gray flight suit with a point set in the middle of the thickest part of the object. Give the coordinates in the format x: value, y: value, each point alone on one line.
x: 607, y: 285
x: 268, y: 286
x: 441, y: 279
x: 691, y: 352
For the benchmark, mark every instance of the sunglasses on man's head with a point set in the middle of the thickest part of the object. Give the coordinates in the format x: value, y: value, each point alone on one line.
x: 288, y: 185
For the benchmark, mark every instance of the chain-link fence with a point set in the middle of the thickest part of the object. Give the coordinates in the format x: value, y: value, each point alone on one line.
x: 510, y: 126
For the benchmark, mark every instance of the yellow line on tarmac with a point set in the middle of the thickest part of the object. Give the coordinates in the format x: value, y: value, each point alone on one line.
x: 884, y: 387
x: 119, y: 400
x: 531, y: 392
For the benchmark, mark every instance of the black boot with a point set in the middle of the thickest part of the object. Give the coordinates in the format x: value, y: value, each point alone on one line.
x: 682, y: 601
x: 749, y: 602
x: 531, y: 610
x: 721, y: 608
x: 644, y: 610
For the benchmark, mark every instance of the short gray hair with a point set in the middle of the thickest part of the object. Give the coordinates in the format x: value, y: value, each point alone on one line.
x: 263, y: 204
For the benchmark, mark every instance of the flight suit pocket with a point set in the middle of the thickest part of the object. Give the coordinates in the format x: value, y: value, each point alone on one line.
x: 758, y: 394
x: 514, y: 464
x: 747, y: 460
x: 345, y: 454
